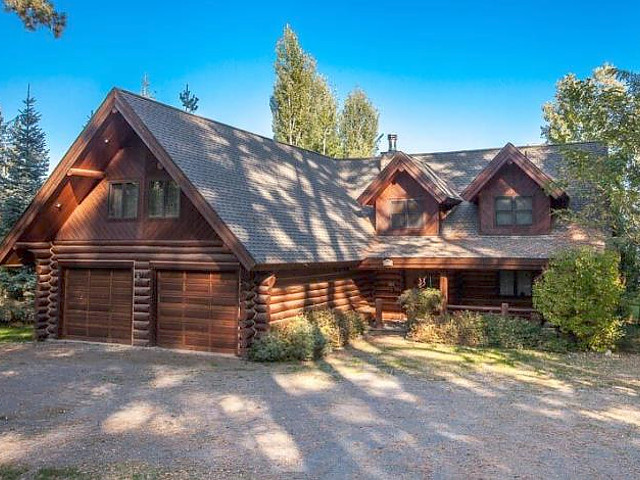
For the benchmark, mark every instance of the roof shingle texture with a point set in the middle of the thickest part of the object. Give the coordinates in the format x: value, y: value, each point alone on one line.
x: 289, y: 205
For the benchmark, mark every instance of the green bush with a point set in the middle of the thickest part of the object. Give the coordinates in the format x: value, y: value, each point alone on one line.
x: 308, y: 336
x: 511, y: 332
x: 473, y: 329
x: 459, y: 328
x: 420, y: 303
x: 580, y: 293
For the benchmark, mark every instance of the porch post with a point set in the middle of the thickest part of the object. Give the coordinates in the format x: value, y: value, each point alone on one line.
x: 379, y: 306
x: 444, y: 289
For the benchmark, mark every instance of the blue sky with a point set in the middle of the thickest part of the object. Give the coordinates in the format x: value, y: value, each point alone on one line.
x: 445, y: 75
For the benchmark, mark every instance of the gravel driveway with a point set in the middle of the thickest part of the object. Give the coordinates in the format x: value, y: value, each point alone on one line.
x: 123, y: 412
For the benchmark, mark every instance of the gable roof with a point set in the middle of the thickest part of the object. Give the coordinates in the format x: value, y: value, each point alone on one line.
x: 277, y: 204
x: 510, y: 154
x: 423, y: 175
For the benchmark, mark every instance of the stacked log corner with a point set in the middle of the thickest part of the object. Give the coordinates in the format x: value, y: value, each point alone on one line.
x: 142, y: 300
x: 255, y: 296
x: 46, y: 270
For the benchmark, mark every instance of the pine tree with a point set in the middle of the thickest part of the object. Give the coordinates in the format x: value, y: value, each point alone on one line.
x: 145, y: 87
x: 358, y: 126
x: 27, y: 162
x: 189, y: 100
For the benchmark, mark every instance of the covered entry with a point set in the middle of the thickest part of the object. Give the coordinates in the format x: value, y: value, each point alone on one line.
x: 197, y: 310
x: 97, y: 304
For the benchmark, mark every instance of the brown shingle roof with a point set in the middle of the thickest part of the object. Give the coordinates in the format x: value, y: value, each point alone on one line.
x: 289, y: 205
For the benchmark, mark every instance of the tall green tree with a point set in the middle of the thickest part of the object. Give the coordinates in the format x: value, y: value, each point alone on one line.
x: 38, y: 13
x: 358, y: 126
x: 292, y: 101
x: 26, y: 165
x: 189, y: 100
x: 604, y: 107
x: 323, y: 129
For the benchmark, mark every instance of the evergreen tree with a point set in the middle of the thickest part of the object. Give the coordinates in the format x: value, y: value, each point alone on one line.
x: 145, y: 87
x: 35, y: 13
x: 358, y: 126
x: 27, y: 162
x: 189, y: 100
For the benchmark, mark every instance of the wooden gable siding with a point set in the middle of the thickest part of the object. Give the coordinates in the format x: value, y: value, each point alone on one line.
x: 511, y: 181
x: 90, y: 220
x: 404, y: 187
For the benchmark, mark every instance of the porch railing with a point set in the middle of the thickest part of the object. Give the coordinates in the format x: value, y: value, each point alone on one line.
x: 503, y: 309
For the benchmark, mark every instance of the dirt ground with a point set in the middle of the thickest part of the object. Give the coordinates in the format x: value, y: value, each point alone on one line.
x: 382, y: 409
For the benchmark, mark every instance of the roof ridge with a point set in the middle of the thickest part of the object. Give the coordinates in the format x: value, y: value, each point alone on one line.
x: 537, y: 145
x: 225, y: 125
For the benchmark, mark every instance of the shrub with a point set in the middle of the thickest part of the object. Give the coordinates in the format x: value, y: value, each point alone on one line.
x: 308, y: 336
x: 420, y: 303
x: 460, y: 328
x: 511, y: 332
x: 580, y: 292
x: 293, y: 340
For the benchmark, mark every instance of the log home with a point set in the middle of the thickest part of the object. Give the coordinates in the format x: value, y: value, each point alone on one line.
x: 160, y: 227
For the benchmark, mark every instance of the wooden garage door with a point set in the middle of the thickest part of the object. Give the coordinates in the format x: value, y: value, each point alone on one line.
x: 197, y: 310
x: 97, y: 304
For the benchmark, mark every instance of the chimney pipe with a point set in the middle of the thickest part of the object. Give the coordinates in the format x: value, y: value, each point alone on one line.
x: 393, y: 138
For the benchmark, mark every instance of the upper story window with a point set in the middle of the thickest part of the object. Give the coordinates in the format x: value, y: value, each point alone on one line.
x: 123, y: 200
x: 164, y: 199
x: 406, y: 214
x: 512, y: 211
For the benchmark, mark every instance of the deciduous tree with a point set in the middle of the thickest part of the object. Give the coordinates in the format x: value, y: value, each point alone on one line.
x: 358, y: 126
x: 605, y: 108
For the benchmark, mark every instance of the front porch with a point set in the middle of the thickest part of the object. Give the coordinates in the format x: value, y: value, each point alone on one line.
x: 503, y: 291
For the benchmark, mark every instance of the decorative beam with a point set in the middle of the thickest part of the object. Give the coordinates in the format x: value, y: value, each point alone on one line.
x: 83, y: 172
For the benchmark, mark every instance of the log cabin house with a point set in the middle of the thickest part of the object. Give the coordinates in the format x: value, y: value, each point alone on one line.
x: 160, y: 227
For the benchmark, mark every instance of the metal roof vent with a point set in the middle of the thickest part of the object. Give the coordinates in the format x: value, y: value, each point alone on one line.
x: 393, y: 140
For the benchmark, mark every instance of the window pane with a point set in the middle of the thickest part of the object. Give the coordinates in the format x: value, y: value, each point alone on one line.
x: 504, y: 218
x: 397, y: 206
x: 524, y: 284
x: 172, y: 199
x: 156, y: 199
x: 115, y: 200
x: 130, y: 201
x: 524, y: 203
x: 503, y: 204
x: 507, y: 283
x: 524, y: 218
x: 414, y: 214
x: 398, y: 220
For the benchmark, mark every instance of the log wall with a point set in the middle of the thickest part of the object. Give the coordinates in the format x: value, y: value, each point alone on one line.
x: 389, y: 284
x: 293, y: 292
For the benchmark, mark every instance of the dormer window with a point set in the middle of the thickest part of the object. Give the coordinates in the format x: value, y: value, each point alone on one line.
x: 406, y: 214
x: 514, y: 211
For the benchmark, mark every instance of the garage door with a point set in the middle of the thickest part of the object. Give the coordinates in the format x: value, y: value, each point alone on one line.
x: 97, y: 304
x: 197, y: 310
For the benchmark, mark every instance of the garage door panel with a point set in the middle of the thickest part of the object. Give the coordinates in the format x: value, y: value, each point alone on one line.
x: 197, y: 310
x: 97, y: 304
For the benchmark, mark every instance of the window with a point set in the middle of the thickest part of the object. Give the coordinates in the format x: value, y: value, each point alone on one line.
x: 406, y: 214
x: 123, y: 200
x: 164, y: 199
x: 514, y: 211
x: 515, y: 283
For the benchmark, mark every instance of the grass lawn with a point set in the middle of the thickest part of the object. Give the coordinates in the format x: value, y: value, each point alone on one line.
x: 16, y: 334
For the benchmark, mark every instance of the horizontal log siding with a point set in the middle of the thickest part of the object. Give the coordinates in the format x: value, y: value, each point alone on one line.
x: 212, y: 255
x: 297, y: 291
x: 389, y: 284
